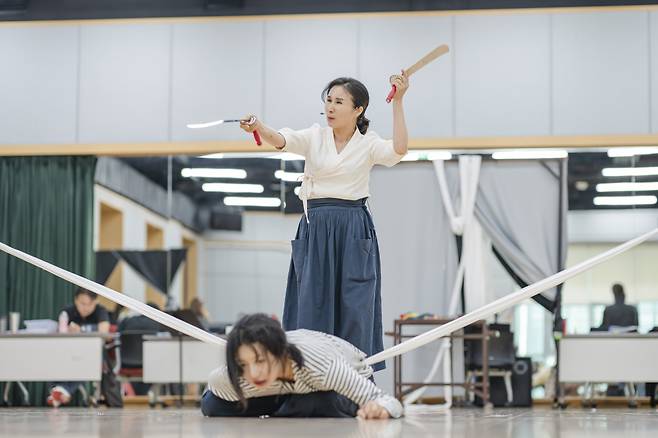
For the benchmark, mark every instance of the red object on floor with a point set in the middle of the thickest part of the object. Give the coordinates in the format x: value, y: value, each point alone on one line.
x: 127, y: 389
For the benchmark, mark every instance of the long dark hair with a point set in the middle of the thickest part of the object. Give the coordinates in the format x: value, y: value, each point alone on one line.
x: 359, y: 94
x: 262, y: 329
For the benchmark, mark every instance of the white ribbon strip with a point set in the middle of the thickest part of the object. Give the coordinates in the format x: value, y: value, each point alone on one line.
x: 506, y: 302
x: 420, y: 340
x: 124, y: 300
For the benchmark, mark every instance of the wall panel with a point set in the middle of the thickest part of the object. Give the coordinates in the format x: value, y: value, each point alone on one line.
x: 600, y: 73
x: 124, y: 83
x: 301, y: 57
x: 38, y: 84
x: 217, y: 74
x: 502, y: 75
x: 526, y: 79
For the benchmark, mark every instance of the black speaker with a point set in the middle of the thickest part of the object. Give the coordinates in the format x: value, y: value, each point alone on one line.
x: 521, y: 386
x: 500, y: 351
x: 226, y: 220
x: 522, y: 382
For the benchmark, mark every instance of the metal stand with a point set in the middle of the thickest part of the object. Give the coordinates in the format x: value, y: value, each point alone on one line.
x: 403, y: 388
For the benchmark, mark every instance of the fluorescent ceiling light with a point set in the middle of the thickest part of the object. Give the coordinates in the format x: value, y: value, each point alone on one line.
x: 213, y: 173
x: 427, y: 155
x: 630, y: 171
x: 529, y: 154
x: 627, y: 187
x: 285, y: 156
x: 629, y: 152
x: 625, y: 200
x: 222, y: 155
x: 288, y: 176
x: 232, y: 188
x: 217, y: 156
x: 251, y: 202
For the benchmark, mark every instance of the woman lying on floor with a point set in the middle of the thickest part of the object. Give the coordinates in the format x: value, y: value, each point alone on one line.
x: 300, y: 373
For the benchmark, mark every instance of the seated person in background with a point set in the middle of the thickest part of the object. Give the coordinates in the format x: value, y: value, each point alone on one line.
x: 619, y: 314
x: 85, y: 315
x: 199, y: 310
x: 141, y: 323
x: 300, y: 373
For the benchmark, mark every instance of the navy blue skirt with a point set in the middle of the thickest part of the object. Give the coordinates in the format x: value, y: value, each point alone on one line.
x: 334, y: 281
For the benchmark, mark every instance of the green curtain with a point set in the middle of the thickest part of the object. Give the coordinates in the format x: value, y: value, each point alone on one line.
x: 46, y: 210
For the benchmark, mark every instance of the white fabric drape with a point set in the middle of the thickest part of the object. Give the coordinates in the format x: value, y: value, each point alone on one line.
x: 471, y: 268
x: 475, y: 244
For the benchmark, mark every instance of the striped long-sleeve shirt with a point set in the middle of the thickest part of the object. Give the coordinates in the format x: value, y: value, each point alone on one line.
x: 330, y: 364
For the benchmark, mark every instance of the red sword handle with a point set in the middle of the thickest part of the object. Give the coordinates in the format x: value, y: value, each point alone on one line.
x: 391, y: 94
x: 257, y: 138
x: 256, y: 134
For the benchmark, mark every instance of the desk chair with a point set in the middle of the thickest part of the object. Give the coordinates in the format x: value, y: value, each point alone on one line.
x: 129, y: 364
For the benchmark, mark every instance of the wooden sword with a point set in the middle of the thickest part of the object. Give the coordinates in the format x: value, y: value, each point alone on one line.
x: 422, y: 62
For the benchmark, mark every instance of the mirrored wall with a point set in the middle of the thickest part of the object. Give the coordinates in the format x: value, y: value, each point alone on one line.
x: 224, y: 222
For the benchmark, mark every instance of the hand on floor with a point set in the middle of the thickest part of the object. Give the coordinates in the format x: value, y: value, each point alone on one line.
x: 372, y: 411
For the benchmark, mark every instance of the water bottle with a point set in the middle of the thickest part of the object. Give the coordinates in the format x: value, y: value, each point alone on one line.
x: 63, y: 322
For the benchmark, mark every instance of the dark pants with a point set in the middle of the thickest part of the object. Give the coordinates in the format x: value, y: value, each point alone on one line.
x: 651, y: 392
x: 71, y: 387
x: 315, y: 404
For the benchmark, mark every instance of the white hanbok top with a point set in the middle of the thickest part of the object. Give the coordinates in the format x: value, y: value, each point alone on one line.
x: 329, y: 174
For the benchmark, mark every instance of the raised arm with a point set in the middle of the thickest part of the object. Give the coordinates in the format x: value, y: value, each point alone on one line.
x: 400, y: 135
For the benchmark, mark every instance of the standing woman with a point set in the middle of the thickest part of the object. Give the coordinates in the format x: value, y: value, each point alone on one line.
x: 334, y: 282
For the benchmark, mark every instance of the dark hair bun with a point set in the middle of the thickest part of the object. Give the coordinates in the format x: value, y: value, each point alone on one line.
x: 362, y: 123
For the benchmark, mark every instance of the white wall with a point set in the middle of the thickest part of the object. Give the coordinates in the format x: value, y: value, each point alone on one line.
x: 635, y: 269
x: 585, y: 226
x: 246, y: 271
x: 135, y: 219
x: 39, y: 91
x: 601, y: 73
x: 508, y: 73
x: 593, y: 232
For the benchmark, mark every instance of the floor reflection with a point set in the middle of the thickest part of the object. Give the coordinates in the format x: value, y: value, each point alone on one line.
x: 504, y: 423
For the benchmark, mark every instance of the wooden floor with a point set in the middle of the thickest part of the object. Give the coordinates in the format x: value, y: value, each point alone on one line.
x: 188, y: 422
